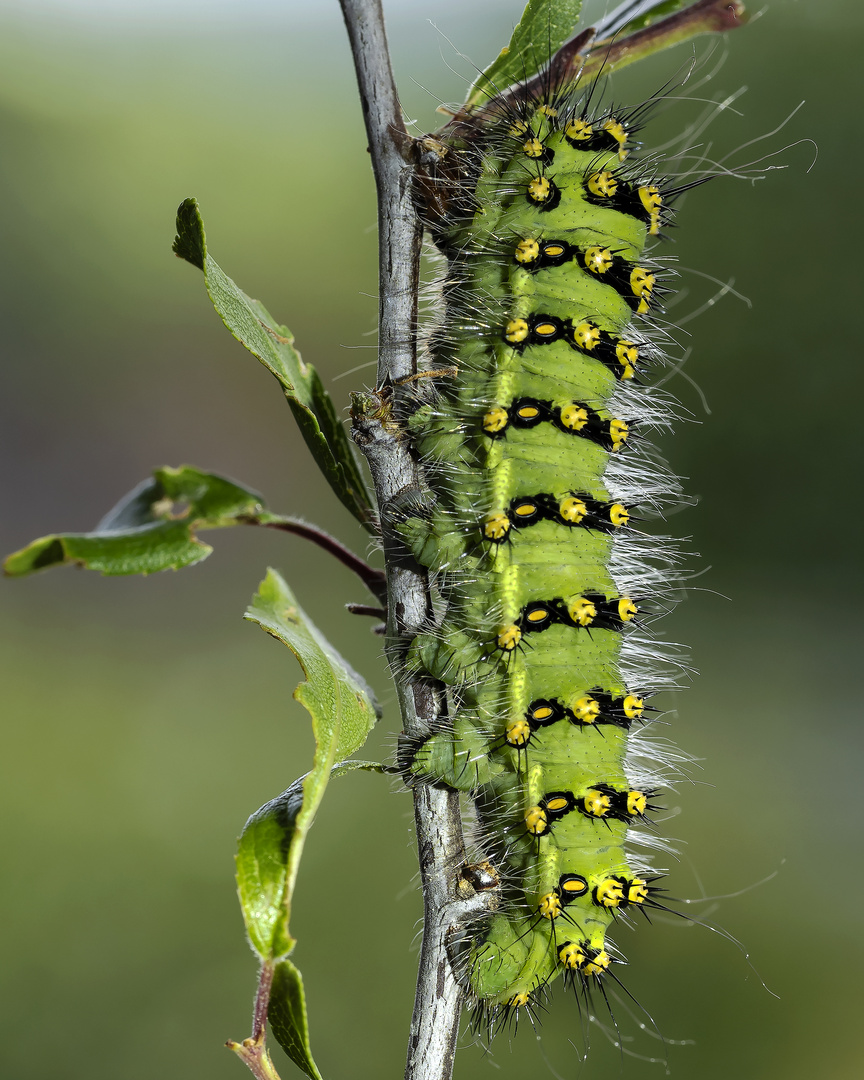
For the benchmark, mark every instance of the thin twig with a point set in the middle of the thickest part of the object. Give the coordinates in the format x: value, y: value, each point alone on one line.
x: 373, y: 579
x: 253, y: 1051
x: 367, y: 609
x: 438, y: 1001
x: 262, y: 1002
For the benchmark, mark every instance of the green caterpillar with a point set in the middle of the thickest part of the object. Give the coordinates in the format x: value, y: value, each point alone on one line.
x: 534, y: 449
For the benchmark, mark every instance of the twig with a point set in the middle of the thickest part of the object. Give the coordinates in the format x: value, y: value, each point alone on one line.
x: 438, y: 1001
x: 367, y: 609
x: 253, y: 1051
x: 373, y: 579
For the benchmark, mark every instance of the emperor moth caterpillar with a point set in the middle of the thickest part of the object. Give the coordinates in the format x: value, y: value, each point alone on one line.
x: 534, y: 448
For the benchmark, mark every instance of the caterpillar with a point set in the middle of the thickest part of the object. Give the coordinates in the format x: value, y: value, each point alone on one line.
x: 534, y: 444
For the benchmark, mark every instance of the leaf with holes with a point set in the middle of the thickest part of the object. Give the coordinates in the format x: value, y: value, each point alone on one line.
x: 152, y: 528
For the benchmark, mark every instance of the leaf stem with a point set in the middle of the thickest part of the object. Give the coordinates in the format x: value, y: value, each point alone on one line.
x: 262, y: 1000
x: 373, y: 579
x: 438, y: 1000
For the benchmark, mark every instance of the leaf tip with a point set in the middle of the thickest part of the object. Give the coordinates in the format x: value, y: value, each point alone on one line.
x: 190, y: 243
x: 44, y: 552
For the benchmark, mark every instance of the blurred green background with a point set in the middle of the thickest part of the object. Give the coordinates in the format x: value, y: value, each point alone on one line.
x: 145, y: 720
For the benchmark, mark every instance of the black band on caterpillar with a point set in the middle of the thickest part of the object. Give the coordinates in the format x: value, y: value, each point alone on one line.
x: 582, y: 611
x: 573, y: 510
x: 646, y: 202
x: 573, y: 417
x: 636, y: 284
x: 619, y: 355
x: 590, y: 710
x: 600, y: 802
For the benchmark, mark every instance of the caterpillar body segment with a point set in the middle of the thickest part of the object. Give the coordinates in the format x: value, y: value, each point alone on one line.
x: 549, y: 297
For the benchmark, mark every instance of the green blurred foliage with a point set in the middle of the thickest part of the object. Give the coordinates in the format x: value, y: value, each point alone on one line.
x: 145, y: 721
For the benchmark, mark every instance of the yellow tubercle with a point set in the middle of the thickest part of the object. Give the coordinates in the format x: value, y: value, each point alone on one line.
x: 598, y: 260
x: 574, y: 417
x: 596, y: 803
x: 549, y: 906
x: 536, y: 821
x: 509, y: 637
x: 517, y: 734
x: 572, y: 509
x: 572, y: 956
x: 637, y: 891
x: 627, y: 355
x: 495, y: 420
x: 609, y: 893
x: 619, y: 133
x: 598, y: 964
x: 581, y: 611
x: 603, y: 184
x: 527, y: 251
x: 642, y: 285
x: 586, y: 710
x: 579, y: 130
x: 496, y: 526
x: 618, y: 432
x: 516, y: 331
x: 539, y: 189
x: 586, y: 335
x: 627, y: 610
x: 652, y: 201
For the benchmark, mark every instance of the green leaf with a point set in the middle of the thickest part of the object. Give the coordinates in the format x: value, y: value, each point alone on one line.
x: 152, y: 528
x: 545, y: 26
x: 343, y: 712
x: 273, y: 344
x: 287, y: 1016
x: 262, y: 871
x: 263, y: 857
